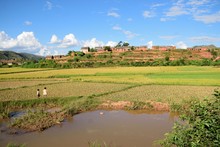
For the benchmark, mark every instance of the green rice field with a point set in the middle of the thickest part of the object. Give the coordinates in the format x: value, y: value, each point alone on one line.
x: 161, y: 84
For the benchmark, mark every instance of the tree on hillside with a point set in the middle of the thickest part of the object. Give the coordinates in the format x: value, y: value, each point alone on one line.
x: 214, y: 53
x: 119, y: 44
x: 80, y: 53
x: 132, y: 48
x: 70, y: 52
x: 107, y: 48
x: 92, y: 50
x: 125, y: 44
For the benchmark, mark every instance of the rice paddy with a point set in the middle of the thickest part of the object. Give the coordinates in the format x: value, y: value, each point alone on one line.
x: 149, y: 83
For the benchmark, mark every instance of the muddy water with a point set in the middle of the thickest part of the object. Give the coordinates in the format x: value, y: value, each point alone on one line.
x: 115, y: 128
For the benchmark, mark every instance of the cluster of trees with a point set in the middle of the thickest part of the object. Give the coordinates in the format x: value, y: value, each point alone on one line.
x: 122, y: 44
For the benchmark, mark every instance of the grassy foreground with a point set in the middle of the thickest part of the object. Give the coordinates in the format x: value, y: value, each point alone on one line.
x: 77, y: 90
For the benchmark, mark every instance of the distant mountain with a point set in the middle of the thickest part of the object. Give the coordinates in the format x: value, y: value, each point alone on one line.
x: 206, y: 46
x: 10, y: 55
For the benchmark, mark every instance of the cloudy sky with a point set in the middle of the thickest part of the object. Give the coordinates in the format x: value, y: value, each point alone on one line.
x: 46, y: 27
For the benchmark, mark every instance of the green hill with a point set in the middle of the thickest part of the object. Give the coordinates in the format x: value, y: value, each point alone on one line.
x: 10, y: 55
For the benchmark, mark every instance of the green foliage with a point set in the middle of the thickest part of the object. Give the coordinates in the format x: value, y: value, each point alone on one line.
x: 214, y: 53
x: 76, y: 59
x: 107, y: 48
x: 200, y: 126
x: 125, y: 44
x: 97, y: 144
x: 70, y: 52
x: 119, y: 44
x: 92, y: 50
x: 139, y: 105
x: 167, y: 58
x: 37, y: 120
x: 15, y: 145
x: 102, y: 56
x: 80, y: 54
x: 88, y: 56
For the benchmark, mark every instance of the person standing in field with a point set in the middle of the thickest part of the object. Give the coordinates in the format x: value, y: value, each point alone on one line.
x: 45, y: 91
x: 38, y: 93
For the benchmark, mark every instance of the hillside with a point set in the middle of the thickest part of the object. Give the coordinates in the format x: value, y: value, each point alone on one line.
x: 138, y: 56
x: 10, y: 55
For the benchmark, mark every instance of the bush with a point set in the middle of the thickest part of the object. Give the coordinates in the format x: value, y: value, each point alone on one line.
x: 200, y: 126
x: 76, y: 59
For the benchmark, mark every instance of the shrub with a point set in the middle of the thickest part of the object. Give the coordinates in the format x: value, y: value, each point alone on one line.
x: 200, y: 126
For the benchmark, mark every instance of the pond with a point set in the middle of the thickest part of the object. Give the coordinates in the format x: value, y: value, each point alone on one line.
x: 116, y: 128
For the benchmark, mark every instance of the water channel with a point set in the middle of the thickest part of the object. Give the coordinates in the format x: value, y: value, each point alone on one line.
x: 116, y: 128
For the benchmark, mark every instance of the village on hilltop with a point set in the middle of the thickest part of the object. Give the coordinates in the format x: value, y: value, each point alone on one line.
x: 139, y: 53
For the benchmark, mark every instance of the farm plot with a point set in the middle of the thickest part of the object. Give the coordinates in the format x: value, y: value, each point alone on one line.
x: 161, y: 93
x: 26, y: 83
x: 20, y: 70
x: 61, y: 90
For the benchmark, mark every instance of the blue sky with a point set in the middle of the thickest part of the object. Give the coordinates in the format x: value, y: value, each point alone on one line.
x: 47, y: 27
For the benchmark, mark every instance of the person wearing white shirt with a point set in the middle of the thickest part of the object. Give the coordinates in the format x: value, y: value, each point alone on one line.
x: 45, y: 91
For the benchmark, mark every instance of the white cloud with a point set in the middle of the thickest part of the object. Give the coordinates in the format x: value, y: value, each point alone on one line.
x: 168, y: 37
x: 68, y: 41
x: 6, y: 42
x: 157, y: 5
x: 176, y: 10
x: 204, y: 39
x: 181, y: 45
x: 166, y: 19
x: 208, y: 18
x: 111, y: 43
x: 93, y: 43
x: 27, y: 40
x: 199, y: 10
x: 127, y: 33
x: 116, y: 28
x: 24, y: 41
x: 197, y: 2
x: 48, y: 5
x: 148, y: 14
x: 54, y: 39
x: 44, y: 51
x: 150, y: 44
x: 28, y: 23
x: 56, y: 52
x: 113, y: 14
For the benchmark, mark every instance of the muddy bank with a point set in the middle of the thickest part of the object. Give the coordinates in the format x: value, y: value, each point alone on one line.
x: 127, y: 105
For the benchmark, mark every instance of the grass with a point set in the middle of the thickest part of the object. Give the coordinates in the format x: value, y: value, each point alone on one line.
x: 161, y: 93
x: 97, y: 144
x: 37, y: 120
x: 15, y: 145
